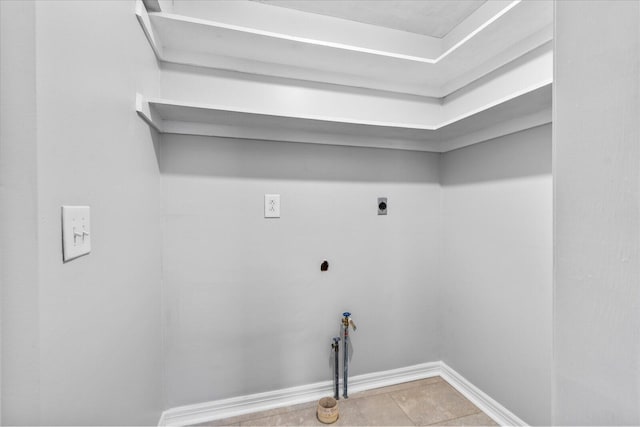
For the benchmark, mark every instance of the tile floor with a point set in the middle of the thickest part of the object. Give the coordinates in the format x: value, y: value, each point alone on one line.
x: 431, y: 401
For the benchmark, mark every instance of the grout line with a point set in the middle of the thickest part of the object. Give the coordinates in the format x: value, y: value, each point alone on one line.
x: 415, y: 423
x: 390, y: 394
x: 478, y: 410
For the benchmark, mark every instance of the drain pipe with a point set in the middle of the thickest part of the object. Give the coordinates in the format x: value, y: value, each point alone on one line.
x: 336, y: 369
x: 346, y: 322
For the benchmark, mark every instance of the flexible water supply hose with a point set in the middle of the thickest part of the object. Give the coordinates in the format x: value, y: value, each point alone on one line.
x: 346, y: 322
x: 336, y: 370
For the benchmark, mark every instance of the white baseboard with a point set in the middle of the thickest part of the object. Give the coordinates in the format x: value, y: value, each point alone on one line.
x: 241, y: 405
x: 489, y: 406
x: 162, y: 421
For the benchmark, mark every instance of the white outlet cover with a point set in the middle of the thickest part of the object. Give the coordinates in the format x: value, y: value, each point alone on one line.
x: 272, y: 206
x: 76, y: 232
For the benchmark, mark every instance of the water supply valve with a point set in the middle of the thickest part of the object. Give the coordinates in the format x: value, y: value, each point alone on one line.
x: 335, y: 346
x: 348, y: 321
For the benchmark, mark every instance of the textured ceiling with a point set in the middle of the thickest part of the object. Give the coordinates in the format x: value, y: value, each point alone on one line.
x: 433, y: 18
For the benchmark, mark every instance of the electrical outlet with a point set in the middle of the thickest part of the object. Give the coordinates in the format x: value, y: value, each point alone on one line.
x: 272, y: 206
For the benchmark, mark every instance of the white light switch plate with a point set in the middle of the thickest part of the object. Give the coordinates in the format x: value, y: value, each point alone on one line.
x: 76, y: 232
x: 272, y: 206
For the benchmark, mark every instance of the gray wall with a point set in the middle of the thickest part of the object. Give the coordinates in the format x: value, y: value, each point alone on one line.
x: 247, y: 308
x: 597, y: 220
x: 18, y: 214
x: 81, y: 341
x: 496, y: 292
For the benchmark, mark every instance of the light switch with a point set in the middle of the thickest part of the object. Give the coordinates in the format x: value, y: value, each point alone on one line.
x: 76, y: 232
x: 272, y: 206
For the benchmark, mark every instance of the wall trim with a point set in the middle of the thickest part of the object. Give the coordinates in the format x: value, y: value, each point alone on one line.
x: 162, y: 421
x: 489, y: 406
x: 224, y: 408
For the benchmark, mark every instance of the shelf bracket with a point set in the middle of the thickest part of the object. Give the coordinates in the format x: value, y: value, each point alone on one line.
x: 147, y: 28
x: 148, y: 114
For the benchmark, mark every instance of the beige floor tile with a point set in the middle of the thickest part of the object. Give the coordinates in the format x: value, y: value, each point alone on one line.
x: 397, y: 387
x: 424, y: 402
x: 382, y: 410
x: 233, y: 421
x: 218, y: 423
x: 479, y: 419
x: 237, y: 420
x: 433, y: 403
x: 349, y: 416
x: 304, y: 417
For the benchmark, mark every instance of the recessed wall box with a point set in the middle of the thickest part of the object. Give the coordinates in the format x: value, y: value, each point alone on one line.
x: 382, y: 206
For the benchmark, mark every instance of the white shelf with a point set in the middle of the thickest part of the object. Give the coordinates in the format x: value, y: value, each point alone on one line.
x: 509, y: 31
x: 526, y: 110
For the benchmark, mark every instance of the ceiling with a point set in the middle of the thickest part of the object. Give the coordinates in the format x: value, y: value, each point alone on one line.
x: 433, y: 18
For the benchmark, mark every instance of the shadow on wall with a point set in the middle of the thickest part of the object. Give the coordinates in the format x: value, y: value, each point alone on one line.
x: 236, y: 158
x: 156, y: 139
x: 526, y: 153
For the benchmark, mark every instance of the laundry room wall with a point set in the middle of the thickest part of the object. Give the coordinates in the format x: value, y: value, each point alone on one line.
x: 18, y: 214
x: 81, y: 340
x: 496, y: 290
x: 597, y: 216
x: 247, y: 308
